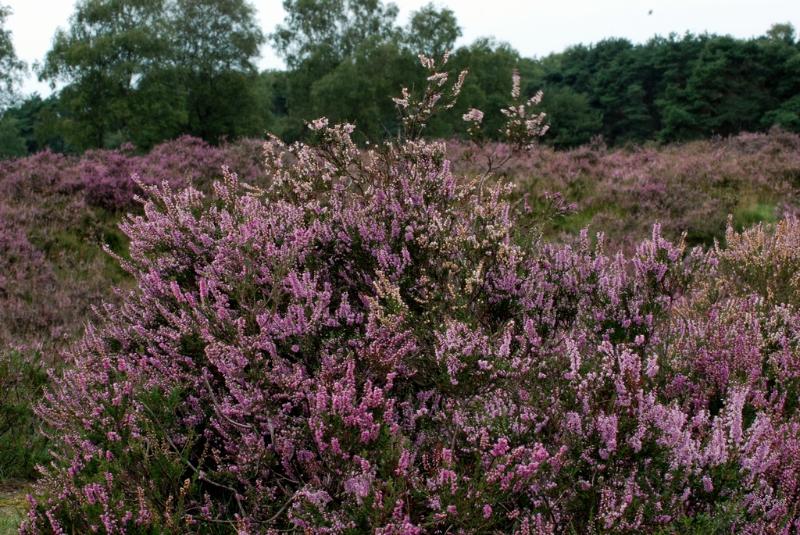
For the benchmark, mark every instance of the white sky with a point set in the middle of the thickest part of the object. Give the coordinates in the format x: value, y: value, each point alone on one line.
x: 533, y: 27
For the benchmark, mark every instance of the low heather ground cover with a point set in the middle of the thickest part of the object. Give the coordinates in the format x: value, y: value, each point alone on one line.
x: 689, y: 188
x: 408, y: 339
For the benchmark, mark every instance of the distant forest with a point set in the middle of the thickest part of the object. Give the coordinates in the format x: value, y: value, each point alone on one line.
x: 143, y: 71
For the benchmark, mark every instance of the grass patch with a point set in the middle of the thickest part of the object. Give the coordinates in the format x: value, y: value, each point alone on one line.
x: 575, y: 222
x: 12, y: 509
x: 22, y: 447
x: 753, y: 213
x: 76, y: 250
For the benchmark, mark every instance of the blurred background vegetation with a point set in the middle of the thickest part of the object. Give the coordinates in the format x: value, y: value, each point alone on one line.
x: 145, y: 71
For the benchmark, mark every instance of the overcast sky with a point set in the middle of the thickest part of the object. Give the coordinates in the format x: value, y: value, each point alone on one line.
x: 533, y: 27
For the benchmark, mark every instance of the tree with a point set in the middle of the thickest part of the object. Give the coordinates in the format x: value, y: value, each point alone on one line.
x: 12, y: 144
x: 787, y: 115
x: 11, y: 141
x: 11, y: 68
x: 37, y: 123
x: 572, y: 120
x: 487, y: 87
x: 784, y: 33
x: 781, y: 54
x: 215, y: 43
x: 356, y: 90
x: 432, y: 31
x: 616, y: 80
x: 727, y: 91
x: 109, y: 47
x: 149, y: 70
x: 159, y: 107
x: 316, y: 37
x: 332, y: 28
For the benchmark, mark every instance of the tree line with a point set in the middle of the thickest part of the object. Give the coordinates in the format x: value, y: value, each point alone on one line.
x: 144, y: 71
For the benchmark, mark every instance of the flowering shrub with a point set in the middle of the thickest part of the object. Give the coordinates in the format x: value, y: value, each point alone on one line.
x: 371, y: 343
x: 110, y: 177
x: 22, y: 271
x: 65, y: 207
x: 764, y: 260
x: 107, y: 178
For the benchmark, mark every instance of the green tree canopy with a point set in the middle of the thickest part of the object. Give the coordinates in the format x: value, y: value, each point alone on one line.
x: 358, y: 90
x: 11, y: 68
x: 12, y: 142
x: 148, y: 70
x: 334, y: 29
x: 215, y: 43
x: 432, y: 31
x: 108, y: 48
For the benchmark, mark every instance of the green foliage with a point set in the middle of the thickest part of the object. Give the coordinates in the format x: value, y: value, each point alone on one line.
x: 10, y: 519
x: 670, y: 88
x: 12, y: 144
x: 109, y: 46
x: 487, y: 87
x: 22, y: 378
x: 674, y: 88
x: 751, y: 214
x: 573, y: 121
x: 161, y: 104
x: 215, y: 42
x: 10, y: 66
x: 38, y: 123
x: 326, y: 44
x: 614, y: 75
x: 150, y: 70
x: 333, y: 29
x: 787, y: 115
x: 356, y: 87
x: 432, y: 31
x: 725, y: 92
x: 77, y: 250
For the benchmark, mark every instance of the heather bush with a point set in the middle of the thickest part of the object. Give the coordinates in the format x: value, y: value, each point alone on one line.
x: 63, y: 204
x: 764, y: 260
x: 108, y: 178
x: 369, y: 342
x: 111, y: 178
x: 23, y: 273
x: 66, y: 206
x: 56, y: 211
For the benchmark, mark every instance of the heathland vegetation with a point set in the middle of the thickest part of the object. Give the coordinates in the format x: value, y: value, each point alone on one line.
x: 459, y: 315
